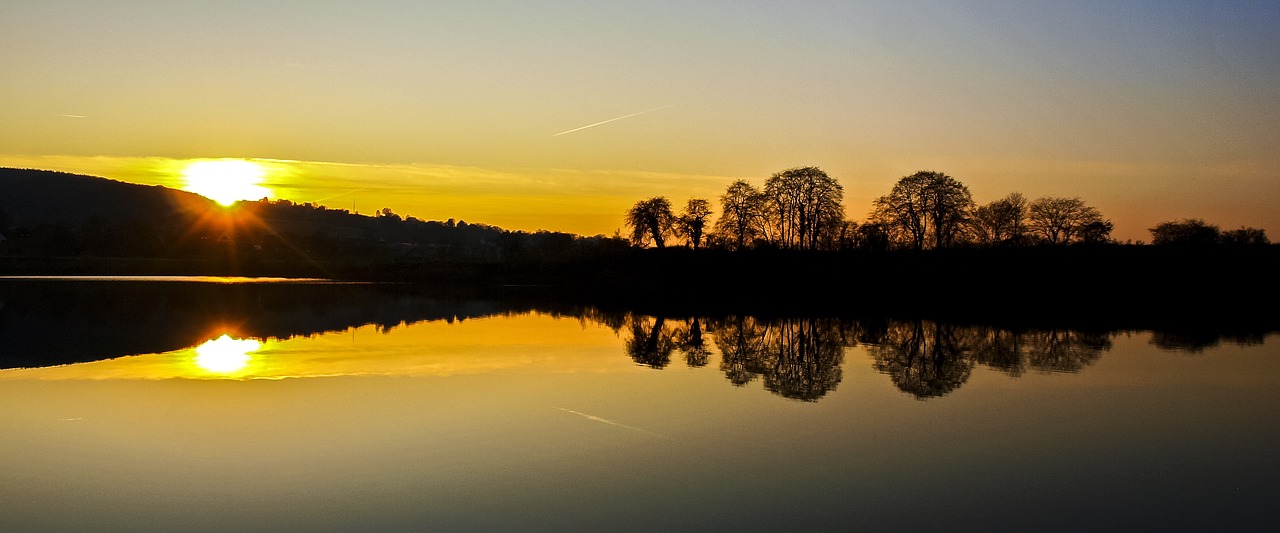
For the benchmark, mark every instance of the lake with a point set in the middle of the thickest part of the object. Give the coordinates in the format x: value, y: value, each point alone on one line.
x: 198, y: 404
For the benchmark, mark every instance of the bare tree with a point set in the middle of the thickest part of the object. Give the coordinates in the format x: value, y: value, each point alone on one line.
x: 925, y: 209
x: 1000, y: 222
x: 692, y: 223
x: 806, y: 205
x: 742, y: 216
x: 650, y: 221
x: 872, y: 236
x: 1064, y: 220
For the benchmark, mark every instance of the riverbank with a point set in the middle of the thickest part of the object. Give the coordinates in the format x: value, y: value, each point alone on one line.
x: 1073, y: 285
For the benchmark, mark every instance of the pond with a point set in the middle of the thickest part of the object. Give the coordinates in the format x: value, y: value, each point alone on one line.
x: 267, y: 406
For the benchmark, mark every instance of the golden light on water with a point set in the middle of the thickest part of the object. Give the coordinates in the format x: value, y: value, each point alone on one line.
x: 226, y: 181
x: 225, y: 355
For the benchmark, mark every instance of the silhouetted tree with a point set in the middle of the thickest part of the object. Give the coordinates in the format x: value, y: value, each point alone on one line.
x: 1096, y: 232
x: 1064, y: 220
x: 742, y: 216
x: 805, y: 205
x: 844, y: 236
x: 1185, y: 232
x: 1000, y: 222
x: 650, y: 221
x: 872, y: 236
x: 693, y: 221
x: 1245, y: 237
x: 925, y: 209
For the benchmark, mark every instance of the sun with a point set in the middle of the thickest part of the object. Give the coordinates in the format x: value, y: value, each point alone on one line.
x: 225, y: 355
x: 226, y: 181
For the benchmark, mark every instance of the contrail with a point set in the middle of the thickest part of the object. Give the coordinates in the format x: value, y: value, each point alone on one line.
x: 613, y: 119
x: 612, y: 423
x: 64, y: 115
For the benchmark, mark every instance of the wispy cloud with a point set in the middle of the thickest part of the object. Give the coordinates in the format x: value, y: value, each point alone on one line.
x: 613, y: 119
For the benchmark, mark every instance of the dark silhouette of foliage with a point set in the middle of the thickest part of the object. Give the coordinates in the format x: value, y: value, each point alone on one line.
x: 651, y: 220
x: 743, y: 217
x: 1185, y: 232
x: 1066, y: 221
x: 1000, y: 223
x: 1245, y: 236
x: 692, y: 223
x: 924, y: 210
x: 805, y: 207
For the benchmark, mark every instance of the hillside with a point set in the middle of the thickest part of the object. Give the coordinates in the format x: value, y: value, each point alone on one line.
x: 55, y: 222
x: 31, y: 198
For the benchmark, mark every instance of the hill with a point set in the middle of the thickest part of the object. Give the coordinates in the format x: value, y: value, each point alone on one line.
x: 55, y: 222
x: 31, y: 198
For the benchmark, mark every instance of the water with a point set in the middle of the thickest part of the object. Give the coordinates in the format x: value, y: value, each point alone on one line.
x: 363, y: 407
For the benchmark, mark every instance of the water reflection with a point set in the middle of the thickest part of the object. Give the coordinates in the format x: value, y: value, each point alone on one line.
x: 651, y: 342
x: 225, y: 355
x: 800, y: 358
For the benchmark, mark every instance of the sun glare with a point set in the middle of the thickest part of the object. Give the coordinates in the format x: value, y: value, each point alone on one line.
x: 225, y: 355
x: 226, y: 181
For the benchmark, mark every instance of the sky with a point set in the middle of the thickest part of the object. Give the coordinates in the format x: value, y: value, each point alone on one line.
x: 558, y: 115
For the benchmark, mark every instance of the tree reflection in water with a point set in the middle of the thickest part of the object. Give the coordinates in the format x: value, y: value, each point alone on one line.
x: 650, y: 343
x: 798, y: 358
x: 802, y: 358
x: 928, y: 360
x: 690, y: 341
x: 923, y: 359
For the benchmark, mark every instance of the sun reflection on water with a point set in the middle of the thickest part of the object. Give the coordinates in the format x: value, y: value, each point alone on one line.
x: 225, y: 355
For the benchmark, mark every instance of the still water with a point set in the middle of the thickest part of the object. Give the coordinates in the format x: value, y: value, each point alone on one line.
x: 227, y: 406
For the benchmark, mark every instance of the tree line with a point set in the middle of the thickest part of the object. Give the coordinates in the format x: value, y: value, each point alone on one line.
x: 801, y: 209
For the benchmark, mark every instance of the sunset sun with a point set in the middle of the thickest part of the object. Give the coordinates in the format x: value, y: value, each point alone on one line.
x: 226, y: 181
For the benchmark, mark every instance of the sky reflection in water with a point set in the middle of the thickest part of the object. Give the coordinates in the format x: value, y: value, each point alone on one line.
x: 533, y: 420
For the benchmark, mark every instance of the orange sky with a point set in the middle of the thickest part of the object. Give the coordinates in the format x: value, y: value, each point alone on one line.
x: 1149, y: 111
